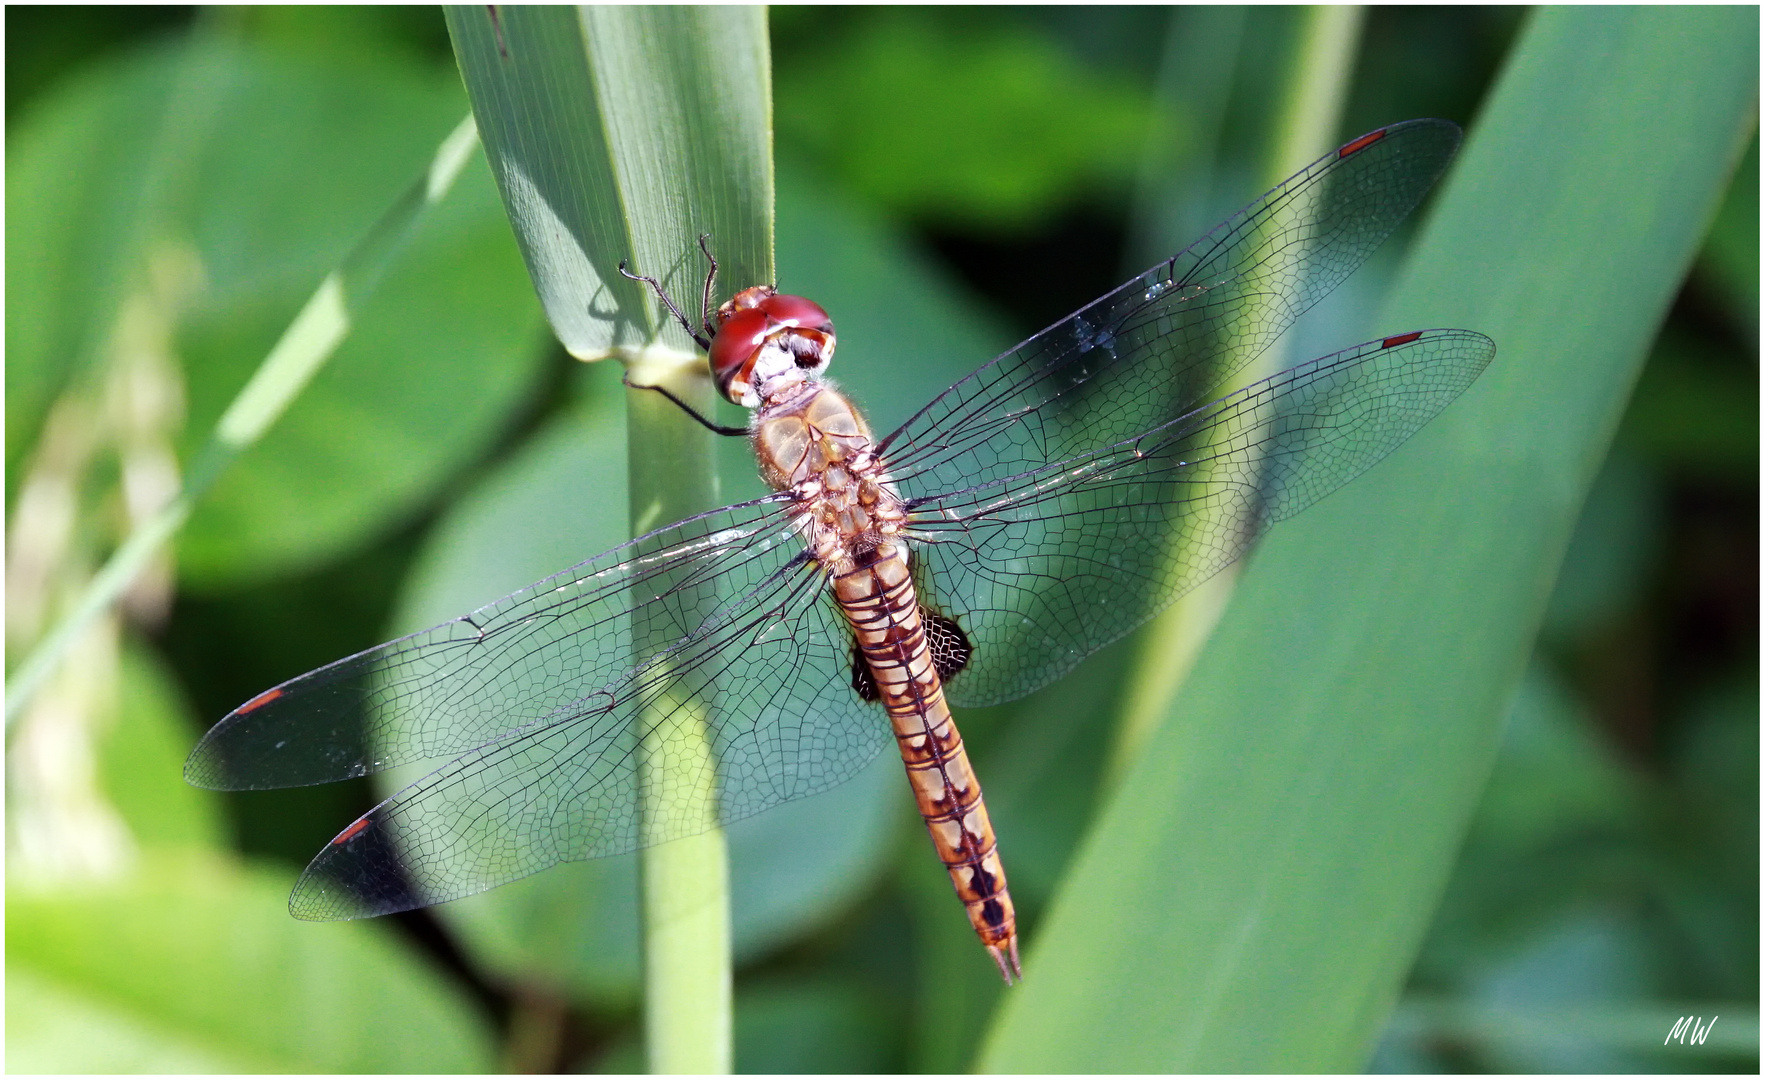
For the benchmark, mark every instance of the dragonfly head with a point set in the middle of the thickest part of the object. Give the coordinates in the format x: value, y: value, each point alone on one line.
x: 762, y: 335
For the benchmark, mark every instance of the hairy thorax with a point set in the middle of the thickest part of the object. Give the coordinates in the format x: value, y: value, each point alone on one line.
x: 815, y: 444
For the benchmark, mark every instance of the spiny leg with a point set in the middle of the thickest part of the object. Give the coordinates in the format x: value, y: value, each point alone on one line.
x: 710, y: 278
x: 702, y: 340
x: 667, y: 301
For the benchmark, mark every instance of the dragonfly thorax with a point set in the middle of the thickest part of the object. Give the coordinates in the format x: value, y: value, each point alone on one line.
x: 817, y: 446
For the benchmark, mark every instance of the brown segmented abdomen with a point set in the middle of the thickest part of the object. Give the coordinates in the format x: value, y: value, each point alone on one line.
x: 816, y: 445
x: 878, y: 600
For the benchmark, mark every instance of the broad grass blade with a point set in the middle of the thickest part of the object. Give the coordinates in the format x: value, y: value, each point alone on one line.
x: 1253, y: 895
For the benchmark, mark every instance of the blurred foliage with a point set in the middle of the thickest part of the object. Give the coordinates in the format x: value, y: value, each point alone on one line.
x: 949, y: 180
x: 1730, y: 263
x: 170, y: 967
x: 993, y: 129
x: 252, y: 232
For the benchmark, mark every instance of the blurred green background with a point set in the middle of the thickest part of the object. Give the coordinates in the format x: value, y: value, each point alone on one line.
x: 949, y: 181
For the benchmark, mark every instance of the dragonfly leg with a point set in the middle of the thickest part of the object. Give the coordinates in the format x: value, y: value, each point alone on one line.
x: 668, y: 302
x: 710, y: 278
x: 718, y: 429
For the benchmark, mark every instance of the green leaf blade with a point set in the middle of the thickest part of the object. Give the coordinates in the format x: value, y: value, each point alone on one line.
x: 617, y: 136
x: 600, y: 158
x: 170, y: 965
x: 1254, y: 894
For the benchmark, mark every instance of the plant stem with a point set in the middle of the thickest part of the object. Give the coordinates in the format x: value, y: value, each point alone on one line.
x: 685, y: 882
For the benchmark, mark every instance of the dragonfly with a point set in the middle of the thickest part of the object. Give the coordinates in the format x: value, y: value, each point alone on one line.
x: 1040, y: 508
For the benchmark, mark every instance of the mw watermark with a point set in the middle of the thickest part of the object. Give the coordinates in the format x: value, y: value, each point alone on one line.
x: 1690, y: 1031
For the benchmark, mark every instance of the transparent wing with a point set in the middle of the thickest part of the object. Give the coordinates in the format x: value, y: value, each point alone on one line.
x: 1156, y: 347
x: 546, y: 651
x: 763, y: 698
x: 1046, y: 566
x: 710, y: 641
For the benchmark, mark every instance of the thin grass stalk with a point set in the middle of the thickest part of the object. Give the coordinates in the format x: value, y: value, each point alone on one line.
x: 618, y: 135
x: 688, y: 976
x: 304, y: 347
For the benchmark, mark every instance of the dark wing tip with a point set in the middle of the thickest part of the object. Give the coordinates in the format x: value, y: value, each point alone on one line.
x: 1429, y: 124
x: 1477, y: 348
x: 356, y: 876
x: 1427, y: 138
x: 199, y: 771
x: 207, y: 767
x: 288, y: 736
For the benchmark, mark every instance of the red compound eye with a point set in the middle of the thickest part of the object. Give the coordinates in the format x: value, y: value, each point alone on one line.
x: 754, y: 317
x: 736, y: 342
x: 796, y: 311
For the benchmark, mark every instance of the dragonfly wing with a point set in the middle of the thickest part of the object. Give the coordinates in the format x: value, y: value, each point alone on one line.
x: 1044, y: 567
x: 762, y: 697
x: 526, y: 661
x: 1160, y: 345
